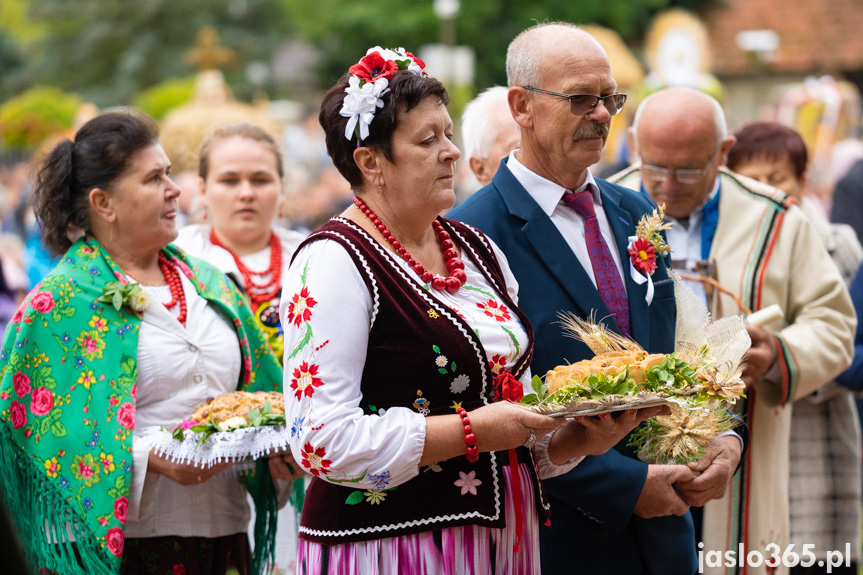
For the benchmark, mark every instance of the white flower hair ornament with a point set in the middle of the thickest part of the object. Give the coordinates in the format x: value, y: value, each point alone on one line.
x: 369, y: 82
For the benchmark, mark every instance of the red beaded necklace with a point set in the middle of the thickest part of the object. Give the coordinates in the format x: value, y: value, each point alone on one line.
x: 172, y: 276
x: 454, y: 264
x: 259, y: 291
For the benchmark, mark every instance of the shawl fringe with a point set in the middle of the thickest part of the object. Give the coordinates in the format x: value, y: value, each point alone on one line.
x: 39, y: 509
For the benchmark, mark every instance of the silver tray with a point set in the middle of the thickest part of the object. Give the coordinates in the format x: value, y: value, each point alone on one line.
x: 609, y: 404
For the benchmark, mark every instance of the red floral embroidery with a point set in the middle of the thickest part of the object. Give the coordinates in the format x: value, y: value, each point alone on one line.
x: 300, y: 307
x: 304, y: 380
x: 491, y: 309
x: 121, y: 506
x: 18, y: 413
x: 313, y: 460
x: 373, y: 67
x: 42, y: 301
x: 42, y: 401
x: 21, y: 382
x: 643, y: 256
x: 115, y: 540
x: 179, y: 569
x: 126, y: 415
x: 497, y: 363
x: 19, y: 313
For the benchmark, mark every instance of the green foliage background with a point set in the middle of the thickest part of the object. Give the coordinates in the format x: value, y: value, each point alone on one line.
x: 111, y: 50
x: 27, y: 119
x: 159, y: 99
x: 118, y: 52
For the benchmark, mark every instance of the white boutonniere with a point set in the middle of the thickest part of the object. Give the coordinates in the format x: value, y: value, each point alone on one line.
x: 129, y: 294
x: 645, y: 246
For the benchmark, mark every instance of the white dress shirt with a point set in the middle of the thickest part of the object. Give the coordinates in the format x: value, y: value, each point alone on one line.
x: 178, y: 370
x: 569, y: 223
x: 685, y: 241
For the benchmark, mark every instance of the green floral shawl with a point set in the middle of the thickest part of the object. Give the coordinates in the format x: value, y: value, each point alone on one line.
x: 67, y: 406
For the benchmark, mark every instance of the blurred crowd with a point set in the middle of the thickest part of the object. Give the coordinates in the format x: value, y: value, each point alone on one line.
x: 726, y: 195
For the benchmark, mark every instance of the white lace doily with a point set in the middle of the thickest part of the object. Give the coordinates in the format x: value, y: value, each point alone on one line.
x: 236, y: 445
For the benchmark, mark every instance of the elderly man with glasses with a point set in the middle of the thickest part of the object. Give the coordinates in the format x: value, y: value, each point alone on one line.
x: 760, y: 248
x: 565, y: 235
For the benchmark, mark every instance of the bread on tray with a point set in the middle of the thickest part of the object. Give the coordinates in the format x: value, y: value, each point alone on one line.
x: 237, y: 404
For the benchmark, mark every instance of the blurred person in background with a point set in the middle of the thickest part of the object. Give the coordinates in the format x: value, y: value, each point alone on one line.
x: 14, y: 284
x: 403, y: 354
x: 241, y: 180
x: 759, y: 246
x: 14, y: 194
x: 241, y: 185
x: 847, y: 205
x: 316, y: 190
x: 825, y: 488
x: 489, y: 132
x: 190, y: 208
x: 18, y: 218
x: 82, y: 378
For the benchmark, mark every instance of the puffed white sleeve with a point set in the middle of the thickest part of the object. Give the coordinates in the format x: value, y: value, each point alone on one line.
x: 326, y: 312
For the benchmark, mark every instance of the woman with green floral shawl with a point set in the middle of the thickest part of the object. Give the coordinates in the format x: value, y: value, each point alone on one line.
x: 126, y: 332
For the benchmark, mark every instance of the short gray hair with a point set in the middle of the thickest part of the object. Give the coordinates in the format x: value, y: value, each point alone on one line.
x: 478, y: 131
x: 523, y: 56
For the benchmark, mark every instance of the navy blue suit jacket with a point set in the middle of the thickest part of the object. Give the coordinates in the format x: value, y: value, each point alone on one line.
x: 592, y: 528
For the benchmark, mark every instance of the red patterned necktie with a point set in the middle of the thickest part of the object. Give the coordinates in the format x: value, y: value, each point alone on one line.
x: 608, y: 281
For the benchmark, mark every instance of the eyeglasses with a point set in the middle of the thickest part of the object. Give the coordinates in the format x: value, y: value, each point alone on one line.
x: 681, y: 175
x: 584, y: 104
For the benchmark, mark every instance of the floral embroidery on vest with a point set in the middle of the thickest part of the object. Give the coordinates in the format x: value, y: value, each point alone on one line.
x: 467, y: 482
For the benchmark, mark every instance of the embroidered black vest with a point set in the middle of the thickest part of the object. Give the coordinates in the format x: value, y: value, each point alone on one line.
x: 410, y: 329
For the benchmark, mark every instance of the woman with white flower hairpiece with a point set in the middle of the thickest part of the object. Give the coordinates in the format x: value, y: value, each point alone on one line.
x: 402, y: 336
x: 126, y: 332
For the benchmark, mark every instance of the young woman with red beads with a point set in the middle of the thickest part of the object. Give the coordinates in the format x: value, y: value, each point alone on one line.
x: 242, y: 185
x: 404, y: 350
x: 128, y: 332
x: 242, y: 175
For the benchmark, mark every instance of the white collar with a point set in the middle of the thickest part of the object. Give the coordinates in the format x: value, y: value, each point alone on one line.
x: 545, y: 192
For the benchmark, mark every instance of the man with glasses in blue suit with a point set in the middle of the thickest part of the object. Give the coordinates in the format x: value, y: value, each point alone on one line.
x: 565, y: 234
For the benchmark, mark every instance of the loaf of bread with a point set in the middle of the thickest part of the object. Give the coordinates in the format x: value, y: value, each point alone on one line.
x: 609, y: 363
x: 237, y: 404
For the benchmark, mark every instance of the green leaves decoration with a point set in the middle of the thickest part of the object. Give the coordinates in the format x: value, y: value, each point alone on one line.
x: 256, y: 418
x: 119, y: 294
x: 672, y: 376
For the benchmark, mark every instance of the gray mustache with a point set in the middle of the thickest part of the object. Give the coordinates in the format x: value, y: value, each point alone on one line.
x: 591, y: 131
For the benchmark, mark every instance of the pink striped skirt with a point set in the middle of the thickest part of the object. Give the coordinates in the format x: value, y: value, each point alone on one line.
x: 466, y: 550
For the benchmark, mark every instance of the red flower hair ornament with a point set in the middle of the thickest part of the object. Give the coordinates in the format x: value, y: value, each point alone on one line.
x: 368, y: 84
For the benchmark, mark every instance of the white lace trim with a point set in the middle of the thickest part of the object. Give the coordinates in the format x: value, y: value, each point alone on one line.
x: 224, y: 446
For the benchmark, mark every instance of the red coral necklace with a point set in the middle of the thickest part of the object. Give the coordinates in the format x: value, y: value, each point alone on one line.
x: 259, y: 291
x: 172, y: 276
x: 454, y: 264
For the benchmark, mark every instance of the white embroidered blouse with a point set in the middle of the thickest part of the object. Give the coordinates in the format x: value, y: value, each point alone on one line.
x: 326, y: 299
